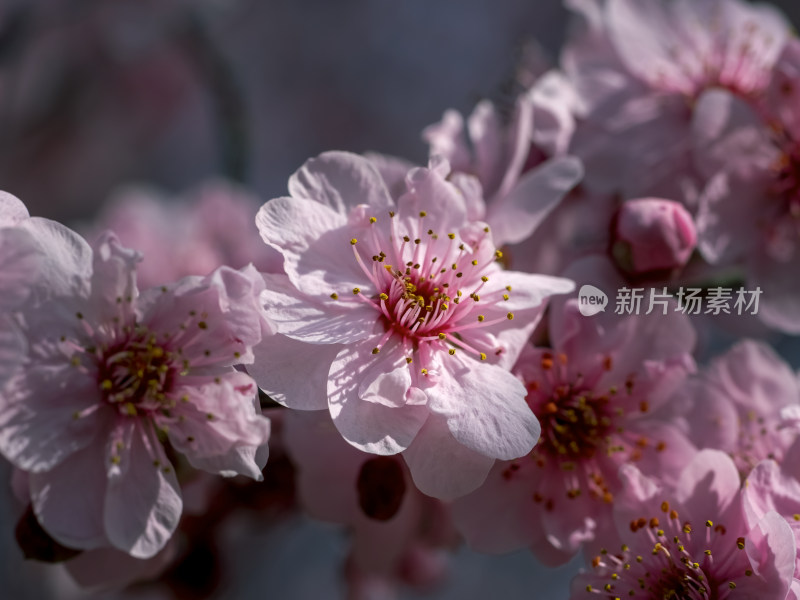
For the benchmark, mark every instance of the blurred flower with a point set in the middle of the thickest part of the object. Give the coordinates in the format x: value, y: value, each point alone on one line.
x: 111, y: 376
x: 211, y: 226
x: 738, y: 405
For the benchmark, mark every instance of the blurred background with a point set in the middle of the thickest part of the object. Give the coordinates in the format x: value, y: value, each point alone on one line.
x: 98, y: 94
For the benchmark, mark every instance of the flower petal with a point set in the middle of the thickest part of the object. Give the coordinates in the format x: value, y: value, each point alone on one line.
x: 38, y: 427
x: 515, y: 217
x: 485, y: 409
x: 302, y: 318
x: 369, y: 426
x: 340, y: 181
x: 441, y: 466
x: 294, y: 373
x: 68, y: 499
x: 143, y: 500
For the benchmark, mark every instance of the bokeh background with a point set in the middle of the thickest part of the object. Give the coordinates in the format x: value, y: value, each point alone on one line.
x: 96, y: 94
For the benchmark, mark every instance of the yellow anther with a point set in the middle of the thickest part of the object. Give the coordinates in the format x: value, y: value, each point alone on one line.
x: 409, y: 360
x: 372, y: 219
x: 505, y: 296
x: 474, y: 263
x: 356, y: 290
x: 451, y: 351
x: 424, y: 371
x: 422, y: 213
x: 481, y: 318
x: 484, y: 279
x: 376, y: 350
x: 508, y: 287
x: 442, y: 336
x: 498, y: 254
x: 130, y: 409
x: 335, y: 296
x: 391, y: 214
x: 510, y: 316
x: 452, y: 236
x: 483, y: 356
x: 107, y: 384
x: 354, y: 241
x: 384, y: 296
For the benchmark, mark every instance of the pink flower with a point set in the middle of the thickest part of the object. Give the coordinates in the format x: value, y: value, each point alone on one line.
x: 188, y: 236
x: 407, y: 320
x: 110, y: 374
x: 738, y: 405
x: 748, y: 214
x: 510, y: 160
x: 602, y: 394
x: 690, y: 540
x: 638, y: 66
x: 654, y: 235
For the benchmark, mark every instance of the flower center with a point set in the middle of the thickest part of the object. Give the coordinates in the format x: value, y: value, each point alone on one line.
x: 137, y: 373
x: 429, y: 289
x: 673, y: 561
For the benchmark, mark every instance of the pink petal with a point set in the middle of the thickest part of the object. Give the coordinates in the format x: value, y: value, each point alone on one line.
x: 13, y: 349
x: 709, y: 484
x: 770, y: 546
x: 516, y: 217
x: 369, y: 426
x: 485, y: 409
x: 340, y: 181
x: 442, y: 467
x: 38, y: 428
x: 20, y: 261
x: 68, y: 499
x: 500, y: 515
x: 429, y: 191
x: 12, y: 210
x: 212, y: 423
x: 113, y: 279
x: 555, y: 103
x: 143, y: 500
x: 304, y: 319
x: 68, y: 266
x: 294, y: 373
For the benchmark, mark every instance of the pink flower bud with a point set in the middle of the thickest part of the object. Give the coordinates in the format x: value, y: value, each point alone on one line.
x: 653, y: 234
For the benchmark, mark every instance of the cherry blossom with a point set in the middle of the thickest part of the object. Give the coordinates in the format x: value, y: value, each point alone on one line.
x: 638, y: 67
x: 187, y: 236
x: 691, y: 540
x: 112, y: 376
x: 603, y: 396
x: 739, y: 405
x: 409, y: 319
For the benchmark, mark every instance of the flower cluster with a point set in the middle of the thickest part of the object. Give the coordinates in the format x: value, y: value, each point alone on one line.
x: 434, y: 344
